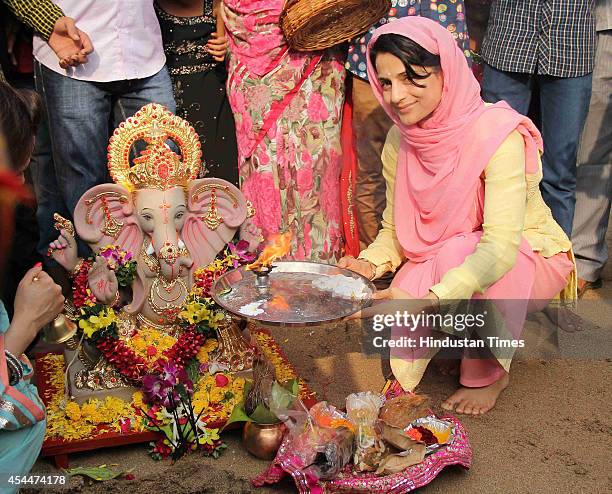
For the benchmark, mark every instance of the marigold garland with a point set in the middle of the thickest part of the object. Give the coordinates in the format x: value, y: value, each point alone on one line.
x: 134, y: 367
x: 71, y: 421
x: 155, y: 357
x: 198, y: 317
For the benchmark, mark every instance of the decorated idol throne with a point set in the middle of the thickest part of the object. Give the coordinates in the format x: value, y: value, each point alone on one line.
x: 150, y: 231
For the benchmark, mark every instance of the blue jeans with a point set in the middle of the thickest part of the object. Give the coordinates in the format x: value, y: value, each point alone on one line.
x: 564, y: 104
x: 81, y: 115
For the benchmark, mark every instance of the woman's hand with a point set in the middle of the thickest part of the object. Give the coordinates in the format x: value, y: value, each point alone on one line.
x: 359, y: 266
x: 388, y: 306
x: 37, y: 302
x: 217, y: 47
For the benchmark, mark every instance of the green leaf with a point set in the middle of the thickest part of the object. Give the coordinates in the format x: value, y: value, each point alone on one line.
x: 281, y: 398
x: 166, y: 429
x: 262, y: 415
x: 238, y: 415
x: 295, y: 387
x: 100, y: 473
x: 193, y: 370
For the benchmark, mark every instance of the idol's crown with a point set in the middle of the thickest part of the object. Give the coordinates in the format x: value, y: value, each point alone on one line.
x: 157, y: 166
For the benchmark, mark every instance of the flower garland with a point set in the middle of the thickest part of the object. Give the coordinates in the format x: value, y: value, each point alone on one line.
x: 134, y: 367
x: 166, y: 367
x: 197, y: 317
x: 70, y: 421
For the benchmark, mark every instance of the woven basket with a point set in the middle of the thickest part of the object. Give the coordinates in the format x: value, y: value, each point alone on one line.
x: 318, y: 24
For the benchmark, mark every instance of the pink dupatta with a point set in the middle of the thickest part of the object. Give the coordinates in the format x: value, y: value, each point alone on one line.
x: 441, y: 160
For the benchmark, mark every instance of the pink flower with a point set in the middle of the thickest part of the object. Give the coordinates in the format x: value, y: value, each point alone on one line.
x: 261, y: 190
x: 125, y: 425
x: 317, y: 111
x: 221, y: 381
x: 306, y: 159
x: 304, y: 175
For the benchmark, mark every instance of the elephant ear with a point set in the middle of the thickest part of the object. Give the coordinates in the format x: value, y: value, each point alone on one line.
x: 105, y: 215
x: 216, y: 210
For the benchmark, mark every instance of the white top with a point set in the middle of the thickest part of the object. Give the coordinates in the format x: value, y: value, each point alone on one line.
x: 125, y: 35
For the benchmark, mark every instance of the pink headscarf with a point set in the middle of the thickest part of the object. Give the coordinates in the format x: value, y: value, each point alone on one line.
x: 441, y: 160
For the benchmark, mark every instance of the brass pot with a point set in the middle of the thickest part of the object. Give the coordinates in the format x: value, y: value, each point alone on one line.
x: 263, y: 440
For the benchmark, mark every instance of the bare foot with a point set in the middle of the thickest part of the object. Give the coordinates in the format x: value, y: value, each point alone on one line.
x: 567, y: 320
x: 476, y: 401
x: 447, y: 367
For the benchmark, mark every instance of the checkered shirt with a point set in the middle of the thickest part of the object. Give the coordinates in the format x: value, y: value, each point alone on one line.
x: 40, y: 15
x: 549, y: 37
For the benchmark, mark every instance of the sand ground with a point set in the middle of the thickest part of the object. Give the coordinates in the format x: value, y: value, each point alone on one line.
x: 550, y: 431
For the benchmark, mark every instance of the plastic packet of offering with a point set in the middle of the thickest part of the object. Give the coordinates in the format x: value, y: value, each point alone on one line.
x: 362, y: 410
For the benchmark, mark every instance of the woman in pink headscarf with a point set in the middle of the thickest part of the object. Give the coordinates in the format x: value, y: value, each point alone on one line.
x: 288, y: 111
x: 464, y: 211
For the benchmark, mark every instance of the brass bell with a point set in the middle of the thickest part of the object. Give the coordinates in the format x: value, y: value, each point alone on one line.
x: 59, y: 331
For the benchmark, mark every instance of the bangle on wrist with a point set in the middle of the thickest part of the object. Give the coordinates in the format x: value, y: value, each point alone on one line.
x: 78, y: 267
x: 14, y: 366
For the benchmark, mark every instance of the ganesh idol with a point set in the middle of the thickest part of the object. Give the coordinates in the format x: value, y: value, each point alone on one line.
x: 161, y: 214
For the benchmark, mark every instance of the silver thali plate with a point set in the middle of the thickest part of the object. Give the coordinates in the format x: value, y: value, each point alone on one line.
x: 295, y: 293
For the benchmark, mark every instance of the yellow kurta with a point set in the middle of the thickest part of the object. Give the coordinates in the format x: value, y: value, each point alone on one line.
x: 513, y: 207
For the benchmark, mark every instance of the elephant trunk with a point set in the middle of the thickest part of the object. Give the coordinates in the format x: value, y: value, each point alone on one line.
x: 172, y: 256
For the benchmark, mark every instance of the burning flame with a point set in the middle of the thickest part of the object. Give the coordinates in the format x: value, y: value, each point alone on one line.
x: 278, y: 246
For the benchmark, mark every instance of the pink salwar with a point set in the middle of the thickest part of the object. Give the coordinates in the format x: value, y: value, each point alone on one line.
x: 548, y: 277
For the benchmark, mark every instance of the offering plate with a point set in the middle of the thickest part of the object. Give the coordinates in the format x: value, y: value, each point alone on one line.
x: 293, y: 293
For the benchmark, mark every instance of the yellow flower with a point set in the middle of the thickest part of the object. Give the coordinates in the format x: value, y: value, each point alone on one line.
x: 137, y: 399
x: 194, y: 312
x: 199, y: 405
x: 95, y: 323
x: 114, y: 404
x: 202, y: 356
x: 138, y: 343
x: 208, y: 436
x: 210, y: 345
x: 73, y: 411
x: 149, y: 337
x: 217, y: 394
x: 89, y: 410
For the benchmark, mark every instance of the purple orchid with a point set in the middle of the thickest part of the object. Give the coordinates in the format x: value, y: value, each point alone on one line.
x: 155, y: 389
x: 171, y: 399
x: 115, y: 257
x: 241, y: 251
x: 171, y: 372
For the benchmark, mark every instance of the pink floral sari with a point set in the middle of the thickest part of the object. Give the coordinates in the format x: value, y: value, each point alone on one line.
x: 288, y: 112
